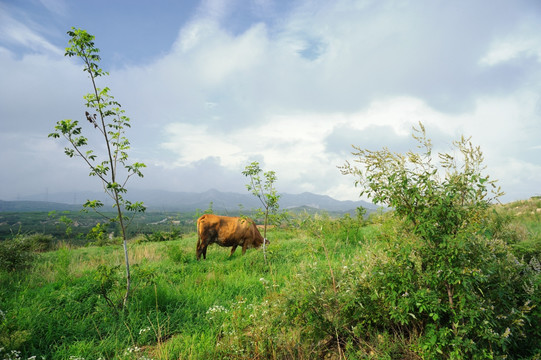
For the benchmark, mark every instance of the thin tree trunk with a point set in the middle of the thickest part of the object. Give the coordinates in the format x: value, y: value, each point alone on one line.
x: 265, y: 234
x: 126, y: 257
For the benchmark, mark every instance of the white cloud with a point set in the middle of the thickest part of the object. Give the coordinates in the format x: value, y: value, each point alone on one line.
x: 17, y: 33
x: 194, y: 143
x: 55, y: 6
x: 295, y: 93
x: 523, y: 42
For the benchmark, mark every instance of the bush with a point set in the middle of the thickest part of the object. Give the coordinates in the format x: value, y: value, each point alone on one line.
x: 159, y: 236
x: 40, y: 242
x: 178, y: 255
x: 99, y: 236
x: 344, y: 229
x: 505, y: 225
x: 11, y: 338
x: 16, y: 254
x: 442, y: 278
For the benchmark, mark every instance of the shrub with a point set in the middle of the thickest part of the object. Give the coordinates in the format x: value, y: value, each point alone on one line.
x: 442, y: 278
x: 159, y: 236
x: 16, y: 254
x: 38, y: 242
x: 11, y: 338
x: 178, y: 255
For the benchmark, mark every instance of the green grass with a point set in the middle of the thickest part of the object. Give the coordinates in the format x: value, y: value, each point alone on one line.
x: 60, y: 307
x: 315, y: 297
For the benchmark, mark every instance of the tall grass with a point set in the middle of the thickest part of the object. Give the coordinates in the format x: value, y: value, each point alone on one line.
x: 321, y: 295
x: 62, y: 306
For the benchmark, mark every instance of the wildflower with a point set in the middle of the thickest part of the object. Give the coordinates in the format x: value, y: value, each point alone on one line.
x: 216, y: 309
x: 144, y: 330
x: 132, y: 349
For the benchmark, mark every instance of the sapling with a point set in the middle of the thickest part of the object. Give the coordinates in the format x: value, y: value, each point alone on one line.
x: 105, y: 117
x: 440, y: 283
x: 264, y: 190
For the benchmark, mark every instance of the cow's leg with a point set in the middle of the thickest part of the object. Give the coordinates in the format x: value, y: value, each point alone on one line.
x: 202, y: 244
x: 233, y: 250
x: 198, y: 249
x: 244, y: 247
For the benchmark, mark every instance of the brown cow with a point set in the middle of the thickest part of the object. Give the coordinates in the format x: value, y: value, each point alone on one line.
x: 226, y: 231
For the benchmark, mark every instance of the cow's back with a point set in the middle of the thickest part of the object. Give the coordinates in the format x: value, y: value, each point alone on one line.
x: 223, y: 230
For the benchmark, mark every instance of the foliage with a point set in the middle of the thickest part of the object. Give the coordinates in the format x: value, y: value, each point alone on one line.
x: 38, y: 242
x: 11, y: 339
x: 445, y: 280
x: 161, y: 236
x: 98, y: 235
x: 109, y: 120
x: 15, y: 254
x: 435, y: 206
x: 343, y: 229
x: 19, y: 253
x: 263, y: 189
x: 68, y: 222
x: 325, y: 298
x: 28, y: 223
x: 519, y: 225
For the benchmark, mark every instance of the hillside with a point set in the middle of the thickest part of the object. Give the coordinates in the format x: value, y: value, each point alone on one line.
x: 323, y: 289
x: 38, y: 206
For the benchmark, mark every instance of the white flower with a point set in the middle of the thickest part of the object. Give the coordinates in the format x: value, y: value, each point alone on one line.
x: 215, y: 309
x: 144, y: 330
x: 132, y: 349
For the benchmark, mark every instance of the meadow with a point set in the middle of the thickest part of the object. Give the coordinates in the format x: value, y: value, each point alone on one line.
x: 330, y: 288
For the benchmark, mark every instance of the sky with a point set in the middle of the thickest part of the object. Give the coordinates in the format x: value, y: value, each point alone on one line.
x: 212, y: 85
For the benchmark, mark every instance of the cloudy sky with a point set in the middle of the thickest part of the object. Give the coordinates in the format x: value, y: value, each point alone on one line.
x: 213, y: 85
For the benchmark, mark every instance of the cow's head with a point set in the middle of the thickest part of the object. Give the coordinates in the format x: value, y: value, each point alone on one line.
x: 263, y: 241
x: 258, y: 241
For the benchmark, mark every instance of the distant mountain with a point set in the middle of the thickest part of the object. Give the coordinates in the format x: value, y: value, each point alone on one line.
x: 41, y: 206
x: 186, y: 201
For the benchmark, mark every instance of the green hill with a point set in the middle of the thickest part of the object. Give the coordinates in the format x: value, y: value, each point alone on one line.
x: 332, y: 288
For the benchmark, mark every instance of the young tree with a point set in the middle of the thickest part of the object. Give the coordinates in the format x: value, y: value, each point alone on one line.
x: 106, y: 117
x: 264, y: 190
x: 443, y: 277
x: 434, y: 205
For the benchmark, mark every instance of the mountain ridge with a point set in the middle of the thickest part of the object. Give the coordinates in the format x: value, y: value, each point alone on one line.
x: 183, y: 201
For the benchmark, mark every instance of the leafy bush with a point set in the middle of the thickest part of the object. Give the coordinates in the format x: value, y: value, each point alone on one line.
x: 16, y: 254
x: 460, y: 291
x: 504, y: 224
x: 11, y: 338
x: 98, y: 236
x: 345, y: 229
x: 158, y: 236
x: 178, y: 255
x: 40, y: 242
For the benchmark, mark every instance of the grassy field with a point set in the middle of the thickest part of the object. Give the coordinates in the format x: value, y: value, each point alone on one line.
x: 323, y: 293
x: 176, y: 304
